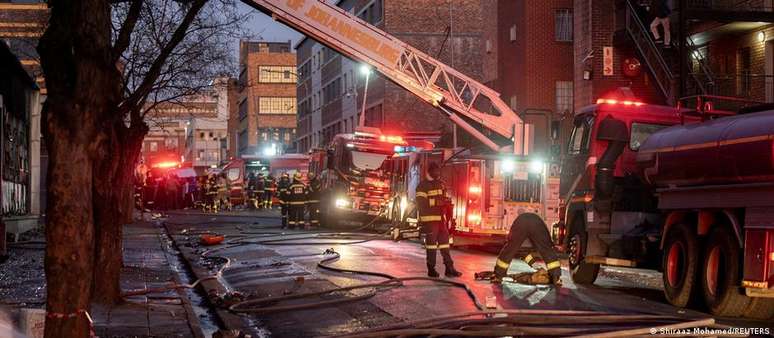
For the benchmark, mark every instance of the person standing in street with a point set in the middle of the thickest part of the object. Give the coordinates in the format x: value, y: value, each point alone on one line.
x: 432, y: 204
x: 661, y: 11
x: 296, y: 202
x: 313, y: 200
x: 251, y: 190
x: 529, y: 226
x: 282, y: 187
x: 270, y: 187
x: 223, y: 192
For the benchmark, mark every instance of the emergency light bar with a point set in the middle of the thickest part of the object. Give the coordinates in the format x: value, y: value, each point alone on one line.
x: 624, y: 102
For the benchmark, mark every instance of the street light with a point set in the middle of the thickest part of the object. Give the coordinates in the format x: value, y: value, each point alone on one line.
x: 365, y: 70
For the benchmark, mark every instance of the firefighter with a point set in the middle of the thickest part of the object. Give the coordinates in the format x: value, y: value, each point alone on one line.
x: 282, y: 187
x: 432, y: 204
x: 529, y: 226
x: 260, y: 189
x: 270, y: 186
x: 296, y: 202
x: 313, y: 201
x: 222, y: 189
x: 211, y: 193
x: 251, y: 190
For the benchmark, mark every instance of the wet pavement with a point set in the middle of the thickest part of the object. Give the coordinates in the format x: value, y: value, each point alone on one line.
x: 147, y: 264
x: 265, y: 261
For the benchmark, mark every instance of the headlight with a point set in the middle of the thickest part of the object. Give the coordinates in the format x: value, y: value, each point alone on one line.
x: 341, y: 203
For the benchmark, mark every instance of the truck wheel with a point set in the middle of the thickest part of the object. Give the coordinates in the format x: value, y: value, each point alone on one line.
x: 582, y: 273
x: 680, y: 264
x: 760, y: 308
x: 721, y: 284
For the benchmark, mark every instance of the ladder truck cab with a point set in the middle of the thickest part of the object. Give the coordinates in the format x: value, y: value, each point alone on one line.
x: 355, y: 182
x: 686, y: 191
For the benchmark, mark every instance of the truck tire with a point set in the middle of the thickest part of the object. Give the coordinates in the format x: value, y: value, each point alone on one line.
x: 680, y: 264
x: 581, y: 272
x: 720, y: 278
x: 760, y: 308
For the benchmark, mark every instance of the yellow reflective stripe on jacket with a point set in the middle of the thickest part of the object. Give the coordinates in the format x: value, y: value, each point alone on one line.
x: 421, y: 194
x: 529, y: 259
x: 503, y: 264
x: 313, y: 201
x: 296, y: 203
x: 431, y: 246
x: 443, y: 246
x: 430, y: 218
x: 554, y: 265
x: 435, y: 192
x: 432, y: 202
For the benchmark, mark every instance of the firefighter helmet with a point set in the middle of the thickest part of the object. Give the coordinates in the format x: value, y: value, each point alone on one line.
x: 297, y: 176
x: 285, y: 174
x: 311, y: 175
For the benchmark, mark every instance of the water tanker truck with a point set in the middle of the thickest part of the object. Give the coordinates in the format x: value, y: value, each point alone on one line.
x: 688, y: 192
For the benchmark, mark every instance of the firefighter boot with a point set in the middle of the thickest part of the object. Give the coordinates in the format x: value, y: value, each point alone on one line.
x: 431, y: 256
x: 447, y: 260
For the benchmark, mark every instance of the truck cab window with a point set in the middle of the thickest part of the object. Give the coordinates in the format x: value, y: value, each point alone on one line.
x: 581, y: 135
x: 641, y: 132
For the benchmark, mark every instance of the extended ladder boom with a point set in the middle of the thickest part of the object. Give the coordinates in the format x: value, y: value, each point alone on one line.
x: 431, y: 80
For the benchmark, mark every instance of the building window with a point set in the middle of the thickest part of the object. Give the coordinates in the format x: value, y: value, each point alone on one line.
x: 201, y: 155
x: 744, y: 84
x: 563, y: 25
x: 564, y: 100
x: 276, y: 105
x: 276, y: 74
x: 373, y: 12
x: 154, y: 146
x: 243, y: 141
x: 201, y: 135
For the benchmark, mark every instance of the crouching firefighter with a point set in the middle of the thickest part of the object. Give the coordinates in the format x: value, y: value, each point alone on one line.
x: 432, y: 203
x: 529, y: 226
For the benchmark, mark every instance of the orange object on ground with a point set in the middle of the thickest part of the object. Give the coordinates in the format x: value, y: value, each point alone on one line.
x: 212, y: 239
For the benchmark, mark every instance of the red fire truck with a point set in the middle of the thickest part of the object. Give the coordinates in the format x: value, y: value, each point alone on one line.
x: 355, y: 183
x: 685, y: 191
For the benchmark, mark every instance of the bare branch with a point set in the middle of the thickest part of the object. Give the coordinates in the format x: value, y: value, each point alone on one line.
x: 125, y: 33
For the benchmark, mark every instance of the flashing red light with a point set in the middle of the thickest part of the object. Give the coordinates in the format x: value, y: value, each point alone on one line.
x: 166, y: 164
x: 625, y: 102
x: 391, y: 139
x: 474, y: 190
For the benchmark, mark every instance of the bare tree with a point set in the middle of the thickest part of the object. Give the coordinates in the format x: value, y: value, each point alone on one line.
x: 107, y: 64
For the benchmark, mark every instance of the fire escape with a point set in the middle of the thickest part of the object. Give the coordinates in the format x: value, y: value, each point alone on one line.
x: 684, y: 70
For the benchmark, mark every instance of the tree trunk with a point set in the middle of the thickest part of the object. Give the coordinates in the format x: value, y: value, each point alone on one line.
x: 81, y: 79
x: 113, y: 184
x: 69, y: 230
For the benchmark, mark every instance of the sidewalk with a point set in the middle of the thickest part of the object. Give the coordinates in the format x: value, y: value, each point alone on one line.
x: 146, y: 265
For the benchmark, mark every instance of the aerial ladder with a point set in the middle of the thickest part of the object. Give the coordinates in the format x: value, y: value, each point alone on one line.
x: 454, y: 93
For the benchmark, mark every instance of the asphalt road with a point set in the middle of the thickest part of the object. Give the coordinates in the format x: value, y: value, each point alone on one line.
x: 276, y: 268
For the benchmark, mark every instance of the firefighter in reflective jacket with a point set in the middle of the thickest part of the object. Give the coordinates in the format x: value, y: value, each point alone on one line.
x: 282, y: 188
x: 529, y: 226
x: 296, y: 202
x: 271, y: 187
x: 313, y: 199
x: 260, y: 189
x: 432, y: 203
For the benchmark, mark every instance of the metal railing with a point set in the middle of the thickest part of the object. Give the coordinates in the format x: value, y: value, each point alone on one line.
x: 650, y: 52
x: 704, y: 79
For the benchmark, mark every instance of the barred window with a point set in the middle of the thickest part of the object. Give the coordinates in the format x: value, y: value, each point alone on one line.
x: 276, y: 74
x: 564, y: 96
x: 276, y: 105
x: 563, y: 25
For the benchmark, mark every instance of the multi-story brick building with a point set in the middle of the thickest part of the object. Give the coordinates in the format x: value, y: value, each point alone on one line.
x: 266, y: 115
x: 528, y: 59
x: 719, y: 47
x: 330, y: 87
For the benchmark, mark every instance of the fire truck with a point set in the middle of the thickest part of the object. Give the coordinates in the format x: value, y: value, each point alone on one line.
x: 488, y: 192
x: 686, y: 191
x: 355, y: 182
